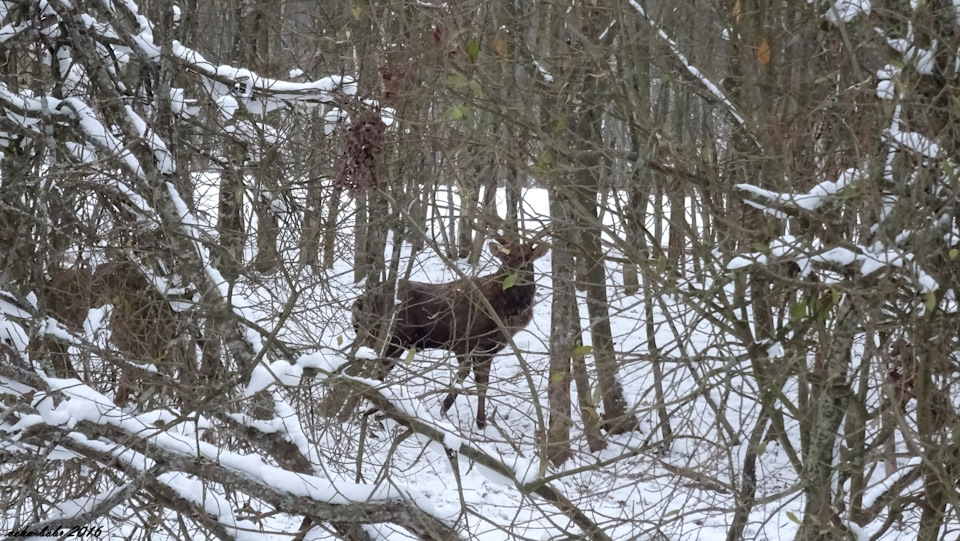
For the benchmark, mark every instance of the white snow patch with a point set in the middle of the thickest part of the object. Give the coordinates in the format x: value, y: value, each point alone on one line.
x: 366, y: 354
x: 740, y: 262
x: 322, y: 361
x: 839, y: 256
x: 846, y: 10
x: 265, y: 375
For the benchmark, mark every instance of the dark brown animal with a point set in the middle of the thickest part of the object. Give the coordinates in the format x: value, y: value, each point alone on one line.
x: 473, y: 318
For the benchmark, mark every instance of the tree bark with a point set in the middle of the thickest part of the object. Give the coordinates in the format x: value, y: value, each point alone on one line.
x: 617, y: 420
x: 829, y: 397
x: 564, y: 331
x: 230, y: 225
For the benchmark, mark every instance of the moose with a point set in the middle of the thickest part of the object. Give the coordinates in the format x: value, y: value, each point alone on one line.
x: 474, y: 318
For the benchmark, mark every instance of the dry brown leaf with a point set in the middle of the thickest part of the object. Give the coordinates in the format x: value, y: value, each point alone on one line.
x: 500, y: 45
x: 763, y: 52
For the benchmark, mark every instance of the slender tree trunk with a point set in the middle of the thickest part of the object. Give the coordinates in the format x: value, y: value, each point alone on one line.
x: 564, y: 330
x: 259, y: 25
x: 331, y: 226
x: 830, y: 396
x: 615, y: 406
x: 747, y: 493
x: 854, y: 455
x: 487, y: 217
x: 592, y: 427
x: 587, y: 165
x: 637, y: 67
x: 268, y: 227
x: 678, y: 221
x: 361, y: 243
x: 451, y: 241
x: 514, y: 192
x: 17, y: 249
x: 634, y: 223
x: 936, y: 427
x: 230, y: 215
x: 418, y: 189
x: 311, y: 231
x: 696, y: 239
x: 164, y: 121
x: 655, y: 364
x: 469, y: 202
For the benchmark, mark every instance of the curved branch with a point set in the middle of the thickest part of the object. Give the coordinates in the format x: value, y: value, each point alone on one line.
x: 553, y: 496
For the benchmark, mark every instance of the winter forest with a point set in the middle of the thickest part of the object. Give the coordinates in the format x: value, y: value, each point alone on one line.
x: 480, y: 270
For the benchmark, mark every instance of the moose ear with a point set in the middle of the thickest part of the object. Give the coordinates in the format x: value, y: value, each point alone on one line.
x: 498, y: 249
x: 540, y: 251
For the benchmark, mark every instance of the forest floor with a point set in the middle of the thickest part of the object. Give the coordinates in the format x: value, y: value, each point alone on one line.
x: 636, y: 488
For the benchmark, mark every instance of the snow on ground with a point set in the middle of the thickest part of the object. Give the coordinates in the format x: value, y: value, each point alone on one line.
x: 633, y: 489
x: 684, y: 491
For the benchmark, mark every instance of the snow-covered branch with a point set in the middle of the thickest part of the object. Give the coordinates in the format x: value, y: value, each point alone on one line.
x: 63, y: 411
x: 524, y: 479
x: 710, y: 91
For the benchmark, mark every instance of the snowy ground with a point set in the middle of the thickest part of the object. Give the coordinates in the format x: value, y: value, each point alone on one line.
x: 683, y: 491
x: 634, y: 489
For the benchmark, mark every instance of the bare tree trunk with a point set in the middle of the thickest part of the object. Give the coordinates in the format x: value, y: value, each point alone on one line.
x: 487, y: 217
x: 514, y: 192
x: 675, y: 193
x: 936, y: 427
x: 829, y: 398
x: 417, y: 190
x: 230, y: 216
x: 564, y: 331
x: 311, y: 231
x: 469, y: 203
x: 164, y: 121
x: 16, y: 249
x: 586, y: 183
x: 634, y: 223
x: 854, y: 454
x: 260, y: 22
x: 635, y: 67
x: 331, y: 226
x: 451, y: 241
x: 268, y: 227
x: 747, y: 493
x: 651, y: 329
x: 592, y: 427
x: 378, y: 295
x: 361, y: 243
x: 696, y: 240
x: 617, y: 420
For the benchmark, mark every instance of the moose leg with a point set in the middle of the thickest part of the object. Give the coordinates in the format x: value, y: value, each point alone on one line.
x: 462, y: 373
x: 481, y: 373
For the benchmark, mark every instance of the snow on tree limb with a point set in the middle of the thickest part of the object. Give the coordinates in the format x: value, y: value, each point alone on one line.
x: 137, y: 440
x: 83, y: 511
x: 844, y: 11
x: 713, y: 91
x: 399, y: 413
x: 910, y: 140
x: 125, y: 25
x: 810, y: 200
x: 78, y: 405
